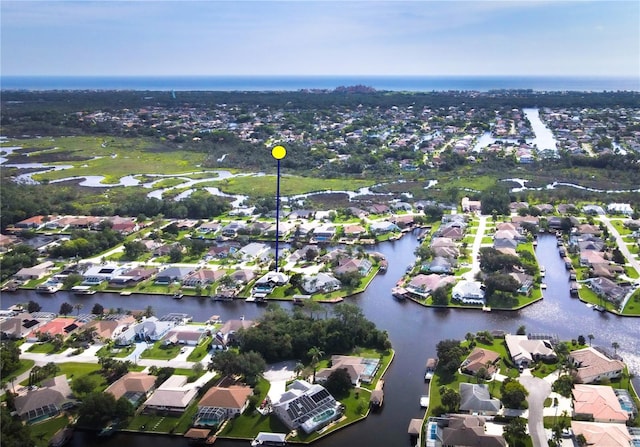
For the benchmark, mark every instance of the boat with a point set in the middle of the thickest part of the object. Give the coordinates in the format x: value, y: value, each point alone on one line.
x: 424, y: 401
x: 543, y: 286
x: 107, y: 431
x: 598, y: 308
x: 269, y: 439
x: 82, y: 290
x: 125, y: 293
x: 178, y: 296
x: 49, y: 287
x: 399, y: 292
x: 430, y: 368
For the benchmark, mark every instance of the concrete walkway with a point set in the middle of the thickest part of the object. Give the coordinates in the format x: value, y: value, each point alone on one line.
x: 475, y: 250
x: 539, y: 390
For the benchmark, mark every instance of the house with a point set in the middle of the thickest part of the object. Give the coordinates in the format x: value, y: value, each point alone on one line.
x: 383, y: 226
x: 362, y: 266
x: 209, y: 227
x: 172, y: 396
x: 593, y: 210
x: 525, y: 282
x: 468, y: 292
x: 232, y: 229
x: 111, y: 326
x: 244, y: 276
x: 608, y: 289
x: 301, y: 214
x: 18, y: 326
x: 591, y: 258
x: 31, y: 222
x: 354, y: 230
x: 222, y: 403
x: 480, y: 358
x: 462, y: 430
x: 593, y: 366
x: 598, y: 434
x: 306, y: 406
x: 438, y: 264
x: 57, y: 326
x: 360, y: 369
x: 524, y: 351
x: 229, y: 328
x: 150, y: 329
x: 124, y: 225
x: 185, y: 335
x: 202, y: 277
x: 620, y: 208
x: 302, y: 254
x: 45, y: 402
x: 378, y: 208
x: 172, y: 274
x: 320, y: 283
x: 599, y: 403
x: 97, y: 274
x: 470, y: 206
x: 222, y: 251
x: 475, y: 399
x: 324, y: 233
x: 133, y: 386
x: 424, y: 285
x: 133, y: 276
x: 255, y: 251
x: 36, y: 272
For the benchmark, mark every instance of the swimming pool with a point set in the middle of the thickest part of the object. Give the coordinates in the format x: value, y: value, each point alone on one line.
x: 370, y: 368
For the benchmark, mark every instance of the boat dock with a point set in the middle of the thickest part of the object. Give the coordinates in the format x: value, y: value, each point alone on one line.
x: 377, y: 395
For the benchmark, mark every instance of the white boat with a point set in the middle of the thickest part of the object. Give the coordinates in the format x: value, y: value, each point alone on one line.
x: 424, y: 401
x: 49, y: 287
x: 82, y: 290
x: 269, y: 439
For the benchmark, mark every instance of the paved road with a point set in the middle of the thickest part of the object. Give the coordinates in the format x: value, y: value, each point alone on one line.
x: 475, y: 250
x: 539, y: 390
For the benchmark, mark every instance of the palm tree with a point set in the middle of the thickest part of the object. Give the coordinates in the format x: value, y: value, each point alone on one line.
x: 615, y: 347
x: 78, y: 307
x: 315, y: 353
x: 590, y: 337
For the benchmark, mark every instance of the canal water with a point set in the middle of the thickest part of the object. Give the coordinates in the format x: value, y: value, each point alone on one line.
x: 414, y: 332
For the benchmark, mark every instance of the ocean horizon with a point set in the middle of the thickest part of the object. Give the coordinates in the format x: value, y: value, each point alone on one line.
x: 296, y: 83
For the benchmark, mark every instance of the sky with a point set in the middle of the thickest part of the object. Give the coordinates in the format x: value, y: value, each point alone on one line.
x: 308, y: 37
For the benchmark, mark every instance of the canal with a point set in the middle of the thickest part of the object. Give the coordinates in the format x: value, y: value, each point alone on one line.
x: 414, y: 332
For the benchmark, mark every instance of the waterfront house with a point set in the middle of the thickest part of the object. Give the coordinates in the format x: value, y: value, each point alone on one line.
x: 593, y: 366
x: 468, y: 292
x: 36, y: 272
x: 244, y: 276
x: 320, y: 283
x: 185, y: 335
x: 202, y: 277
x: 232, y: 229
x: 222, y: 403
x: 132, y: 277
x: 97, y: 274
x: 133, y: 386
x: 599, y: 434
x: 478, y: 359
x: 228, y: 330
x: 173, y: 396
x: 306, y: 406
x: 475, y: 399
x: 324, y: 232
x: 18, y: 326
x: 598, y: 403
x: 53, y: 396
x: 462, y: 430
x: 111, y: 326
x: 172, y: 274
x: 149, y: 329
x: 383, y: 226
x: 360, y: 369
x: 354, y: 231
x: 362, y: 266
x: 57, y: 326
x: 525, y: 351
x: 608, y: 289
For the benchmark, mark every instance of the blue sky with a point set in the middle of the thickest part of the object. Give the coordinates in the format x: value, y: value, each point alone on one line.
x: 306, y: 37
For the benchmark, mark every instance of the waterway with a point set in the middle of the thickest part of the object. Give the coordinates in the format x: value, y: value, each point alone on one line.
x: 414, y: 332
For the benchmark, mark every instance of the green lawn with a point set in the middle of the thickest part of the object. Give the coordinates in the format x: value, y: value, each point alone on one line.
x: 200, y: 351
x: 43, y: 348
x: 160, y: 351
x: 25, y: 365
x: 633, y: 305
x: 42, y: 432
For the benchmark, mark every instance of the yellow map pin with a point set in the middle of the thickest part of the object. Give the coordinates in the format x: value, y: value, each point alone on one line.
x: 278, y: 152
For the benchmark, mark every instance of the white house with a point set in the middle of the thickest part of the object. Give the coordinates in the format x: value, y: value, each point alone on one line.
x: 468, y: 292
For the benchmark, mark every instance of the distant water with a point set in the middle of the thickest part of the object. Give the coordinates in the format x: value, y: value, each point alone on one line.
x: 294, y: 83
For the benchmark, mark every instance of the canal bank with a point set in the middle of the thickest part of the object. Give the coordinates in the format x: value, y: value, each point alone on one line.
x: 414, y: 332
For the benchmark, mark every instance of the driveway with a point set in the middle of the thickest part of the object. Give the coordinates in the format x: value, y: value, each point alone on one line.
x: 539, y: 390
x: 278, y: 374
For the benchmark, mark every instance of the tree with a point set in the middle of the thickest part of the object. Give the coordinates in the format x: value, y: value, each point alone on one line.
x: 78, y: 307
x: 82, y: 385
x: 96, y: 410
x: 449, y: 352
x: 134, y: 249
x: 590, y: 337
x: 33, y: 306
x: 581, y: 340
x: 9, y: 358
x: 450, y: 398
x: 315, y: 354
x: 14, y: 432
x: 65, y: 308
x: 339, y: 383
x: 515, y: 432
x: 73, y: 279
x: 563, y: 385
x: 615, y: 345
x: 522, y: 330
x: 514, y: 395
x: 617, y: 256
x: 97, y: 309
x: 440, y: 296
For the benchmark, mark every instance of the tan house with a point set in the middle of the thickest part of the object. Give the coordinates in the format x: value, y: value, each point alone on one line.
x: 598, y: 434
x: 594, y: 366
x: 222, y: 403
x: 480, y: 358
x: 599, y: 403
x: 134, y: 386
